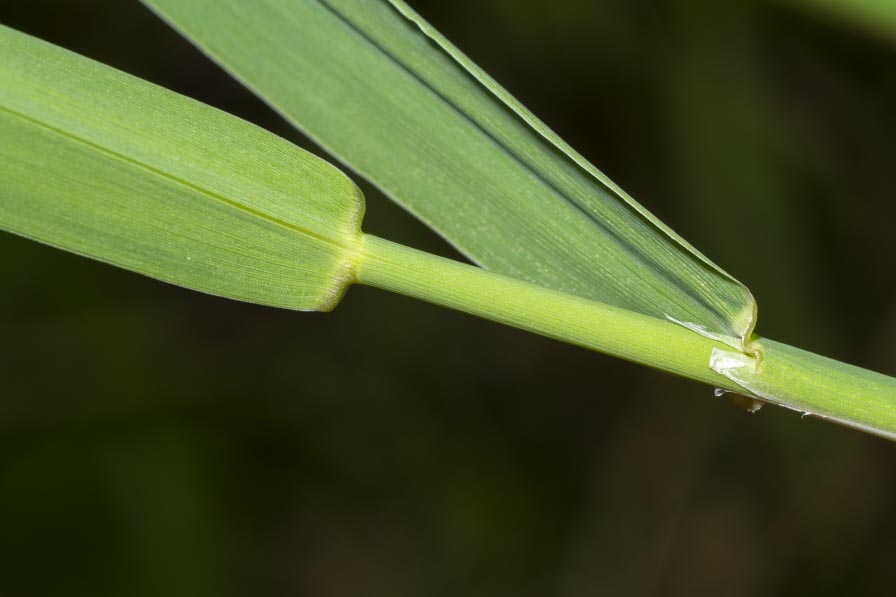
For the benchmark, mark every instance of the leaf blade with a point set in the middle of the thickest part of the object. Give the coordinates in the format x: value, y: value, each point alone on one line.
x: 443, y: 139
x: 108, y: 166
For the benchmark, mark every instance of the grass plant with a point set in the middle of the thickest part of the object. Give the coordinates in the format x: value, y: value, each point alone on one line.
x: 103, y: 164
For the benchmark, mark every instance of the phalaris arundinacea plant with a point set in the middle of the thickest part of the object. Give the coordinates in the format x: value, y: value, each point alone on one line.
x: 100, y: 163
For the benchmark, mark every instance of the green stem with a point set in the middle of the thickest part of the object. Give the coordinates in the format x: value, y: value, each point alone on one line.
x: 784, y: 375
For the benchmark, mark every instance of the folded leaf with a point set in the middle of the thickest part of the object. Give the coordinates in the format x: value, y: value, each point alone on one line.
x: 112, y: 167
x: 379, y: 88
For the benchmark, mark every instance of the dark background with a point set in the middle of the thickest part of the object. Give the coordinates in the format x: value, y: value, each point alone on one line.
x: 155, y: 441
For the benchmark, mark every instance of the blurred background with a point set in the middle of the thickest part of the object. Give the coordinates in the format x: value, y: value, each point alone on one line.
x: 156, y: 441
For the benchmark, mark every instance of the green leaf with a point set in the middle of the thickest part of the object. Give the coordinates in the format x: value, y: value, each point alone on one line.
x: 108, y: 166
x: 380, y: 89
